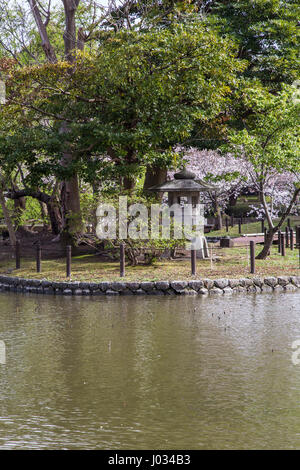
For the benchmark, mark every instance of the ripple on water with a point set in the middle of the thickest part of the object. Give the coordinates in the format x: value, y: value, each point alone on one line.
x: 150, y: 372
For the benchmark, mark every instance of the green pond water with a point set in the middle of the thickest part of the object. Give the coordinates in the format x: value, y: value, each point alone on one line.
x: 150, y: 372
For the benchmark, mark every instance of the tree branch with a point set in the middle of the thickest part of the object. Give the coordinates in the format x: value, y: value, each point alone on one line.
x: 48, y: 49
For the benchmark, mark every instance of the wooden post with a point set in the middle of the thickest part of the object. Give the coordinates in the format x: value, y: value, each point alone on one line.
x: 38, y: 257
x: 252, y: 257
x: 282, y: 244
x: 291, y: 239
x: 122, y: 260
x: 298, y: 236
x: 193, y: 261
x: 298, y: 241
x: 279, y: 241
x: 69, y: 259
x: 226, y: 223
x: 18, y: 255
x: 298, y: 245
x: 240, y: 225
x: 286, y: 236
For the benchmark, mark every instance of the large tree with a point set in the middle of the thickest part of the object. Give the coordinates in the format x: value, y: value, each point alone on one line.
x: 139, y: 94
x: 40, y: 31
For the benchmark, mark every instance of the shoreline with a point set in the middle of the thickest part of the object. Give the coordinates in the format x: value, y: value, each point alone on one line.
x: 220, y: 286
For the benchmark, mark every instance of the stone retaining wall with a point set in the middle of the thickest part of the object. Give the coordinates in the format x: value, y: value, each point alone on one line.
x: 193, y: 287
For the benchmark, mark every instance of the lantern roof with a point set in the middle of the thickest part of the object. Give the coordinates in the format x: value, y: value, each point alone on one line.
x: 184, y: 181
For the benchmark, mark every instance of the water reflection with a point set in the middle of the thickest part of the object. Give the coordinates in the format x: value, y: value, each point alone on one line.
x: 152, y: 372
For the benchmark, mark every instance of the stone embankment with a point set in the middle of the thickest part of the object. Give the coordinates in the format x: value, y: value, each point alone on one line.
x: 193, y: 287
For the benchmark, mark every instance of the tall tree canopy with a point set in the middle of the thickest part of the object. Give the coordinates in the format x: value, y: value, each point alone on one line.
x: 140, y: 93
x: 101, y: 90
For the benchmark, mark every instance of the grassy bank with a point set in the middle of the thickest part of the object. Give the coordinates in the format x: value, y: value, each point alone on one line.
x: 227, y: 262
x: 255, y: 227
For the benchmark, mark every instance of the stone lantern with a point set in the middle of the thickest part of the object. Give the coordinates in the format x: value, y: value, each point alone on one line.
x: 183, y: 190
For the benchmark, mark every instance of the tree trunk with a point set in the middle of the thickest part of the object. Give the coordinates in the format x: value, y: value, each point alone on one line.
x: 70, y: 207
x: 55, y: 217
x: 272, y: 230
x: 20, y: 206
x: 268, y: 244
x: 233, y: 200
x: 70, y: 7
x: 44, y: 214
x: 52, y: 206
x: 7, y: 218
x: 218, y: 213
x: 70, y: 195
x: 155, y: 175
x: 48, y: 49
x: 128, y: 183
x: 70, y: 203
x: 219, y: 219
x: 217, y: 210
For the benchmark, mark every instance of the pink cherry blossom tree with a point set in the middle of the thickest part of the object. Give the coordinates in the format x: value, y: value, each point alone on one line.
x: 228, y: 175
x: 231, y: 176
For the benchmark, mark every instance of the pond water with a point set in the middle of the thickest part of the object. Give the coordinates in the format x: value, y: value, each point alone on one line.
x: 149, y: 372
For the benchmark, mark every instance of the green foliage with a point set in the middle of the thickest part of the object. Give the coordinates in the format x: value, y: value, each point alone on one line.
x: 32, y: 211
x: 269, y: 137
x: 161, y: 73
x: 29, y: 216
x: 141, y: 93
x: 240, y: 210
x: 268, y: 35
x: 147, y: 246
